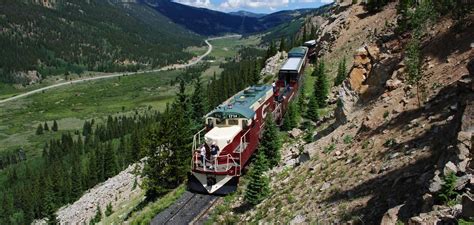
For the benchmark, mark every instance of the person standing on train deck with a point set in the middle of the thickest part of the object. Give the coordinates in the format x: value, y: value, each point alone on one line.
x: 202, y: 151
x: 274, y: 86
x: 214, y: 153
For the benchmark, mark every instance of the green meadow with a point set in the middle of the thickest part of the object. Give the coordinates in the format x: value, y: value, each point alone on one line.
x: 70, y: 105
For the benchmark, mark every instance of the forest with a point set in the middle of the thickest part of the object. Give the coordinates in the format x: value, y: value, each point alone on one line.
x: 36, y: 188
x: 79, y: 36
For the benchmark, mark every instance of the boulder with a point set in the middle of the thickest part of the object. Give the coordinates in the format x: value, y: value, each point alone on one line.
x: 461, y: 182
x: 374, y: 51
x: 347, y: 98
x: 304, y: 157
x: 467, y: 206
x: 325, y: 186
x: 435, y: 184
x: 295, y: 132
x: 357, y: 76
x: 299, y: 219
x: 393, y: 84
x: 391, y: 216
x: 450, y: 167
x: 428, y: 202
x: 361, y: 57
x: 470, y: 67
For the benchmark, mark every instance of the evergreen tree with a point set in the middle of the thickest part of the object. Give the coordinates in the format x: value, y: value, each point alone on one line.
x: 110, y: 161
x: 312, y: 34
x: 76, y: 182
x: 321, y: 86
x: 55, y: 126
x: 98, y: 215
x: 305, y: 34
x: 413, y: 60
x: 256, y: 74
x: 341, y: 72
x: 198, y: 101
x: 290, y: 119
x: 312, y: 111
x: 46, y: 127
x: 109, y: 209
x: 258, y: 187
x: 282, y: 44
x: 270, y: 142
x: 39, y: 130
x: 302, y: 100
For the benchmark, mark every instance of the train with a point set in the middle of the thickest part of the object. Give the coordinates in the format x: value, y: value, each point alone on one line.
x: 235, y: 127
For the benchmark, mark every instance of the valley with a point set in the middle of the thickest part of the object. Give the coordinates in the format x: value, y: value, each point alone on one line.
x: 100, y: 101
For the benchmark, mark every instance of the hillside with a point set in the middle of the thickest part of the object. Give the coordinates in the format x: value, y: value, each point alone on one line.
x: 247, y: 14
x: 378, y: 157
x: 61, y: 37
x: 209, y: 22
x: 291, y: 28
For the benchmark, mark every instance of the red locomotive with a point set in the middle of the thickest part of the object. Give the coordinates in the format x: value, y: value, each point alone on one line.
x: 224, y: 147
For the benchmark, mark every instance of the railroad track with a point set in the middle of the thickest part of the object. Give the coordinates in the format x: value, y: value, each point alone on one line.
x: 189, y: 209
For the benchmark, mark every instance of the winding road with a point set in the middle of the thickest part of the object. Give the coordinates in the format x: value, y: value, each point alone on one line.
x: 178, y: 66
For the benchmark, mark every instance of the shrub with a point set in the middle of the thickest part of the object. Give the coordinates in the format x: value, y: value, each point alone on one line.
x: 390, y: 143
x: 109, y: 210
x: 347, y: 139
x: 447, y: 193
x: 329, y: 148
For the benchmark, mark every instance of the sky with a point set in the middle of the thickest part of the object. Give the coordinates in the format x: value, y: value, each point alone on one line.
x: 257, y: 6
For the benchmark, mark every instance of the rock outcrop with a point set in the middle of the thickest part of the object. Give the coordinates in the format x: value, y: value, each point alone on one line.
x: 114, y: 191
x: 273, y: 64
x: 27, y: 78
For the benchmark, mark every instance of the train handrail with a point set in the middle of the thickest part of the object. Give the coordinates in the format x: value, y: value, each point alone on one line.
x: 196, y: 143
x: 230, y: 162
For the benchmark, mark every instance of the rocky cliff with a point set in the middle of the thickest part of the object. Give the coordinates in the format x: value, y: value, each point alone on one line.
x: 385, y: 158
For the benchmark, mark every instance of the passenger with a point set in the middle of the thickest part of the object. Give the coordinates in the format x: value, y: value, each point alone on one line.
x: 202, y: 151
x: 214, y: 153
x: 274, y: 86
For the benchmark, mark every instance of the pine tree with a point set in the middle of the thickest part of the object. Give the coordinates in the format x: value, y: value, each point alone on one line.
x: 302, y: 100
x: 321, y: 86
x: 290, y: 119
x: 282, y: 44
x: 258, y: 187
x: 39, y: 130
x: 312, y: 111
x: 270, y: 142
x: 198, y: 101
x: 305, y: 34
x: 341, y: 72
x: 414, y: 62
x: 98, y: 215
x: 46, y: 127
x: 312, y: 34
x: 55, y: 126
x: 109, y: 209
x: 256, y: 74
x: 110, y: 161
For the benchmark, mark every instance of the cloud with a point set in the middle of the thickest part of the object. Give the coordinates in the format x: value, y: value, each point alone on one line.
x: 197, y: 3
x: 327, y: 1
x: 253, y: 4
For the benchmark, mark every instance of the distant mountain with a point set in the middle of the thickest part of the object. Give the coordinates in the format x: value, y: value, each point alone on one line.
x: 247, y: 14
x: 295, y: 19
x: 72, y: 36
x: 209, y: 22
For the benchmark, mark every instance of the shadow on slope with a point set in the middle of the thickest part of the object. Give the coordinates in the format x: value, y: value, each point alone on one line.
x: 407, y: 184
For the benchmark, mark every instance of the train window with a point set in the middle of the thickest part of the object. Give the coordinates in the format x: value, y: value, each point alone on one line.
x: 210, y: 122
x: 220, y: 122
x: 232, y: 122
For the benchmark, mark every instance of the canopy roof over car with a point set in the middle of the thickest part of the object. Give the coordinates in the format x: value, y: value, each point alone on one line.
x: 240, y: 105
